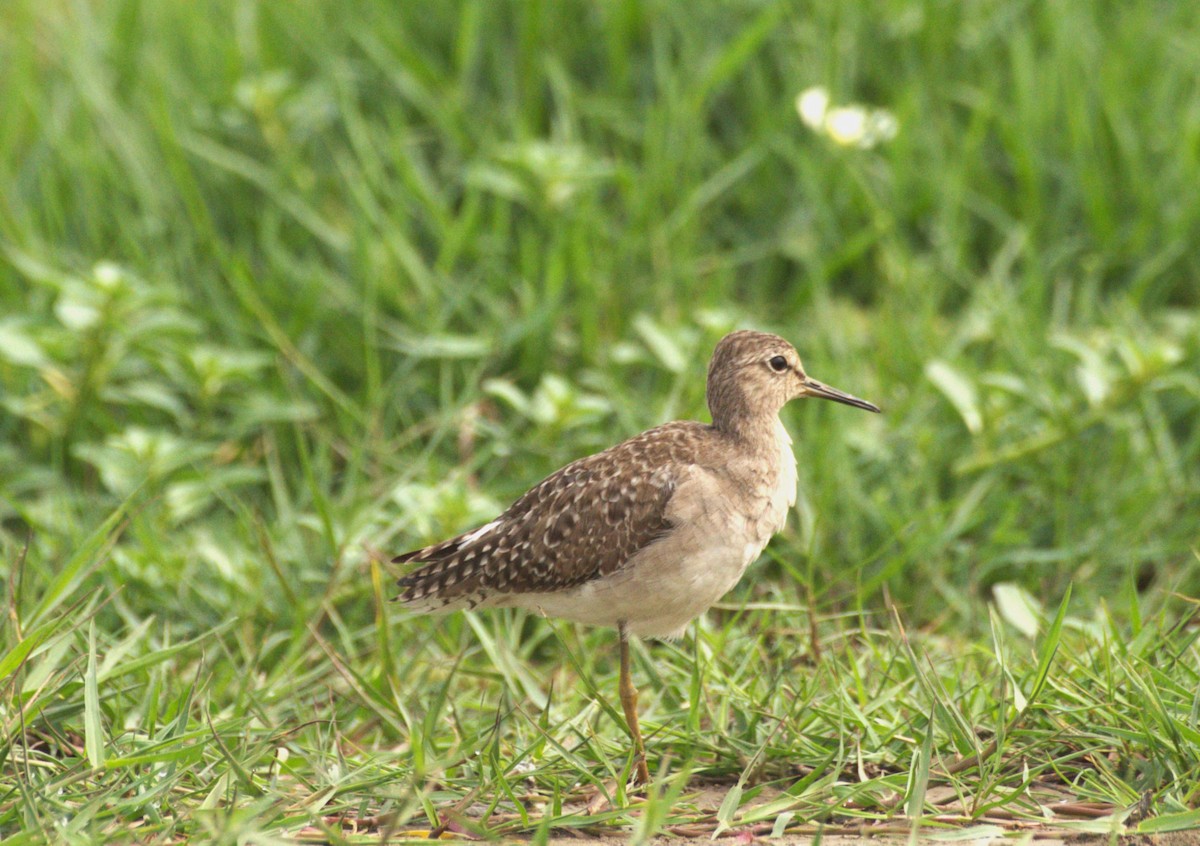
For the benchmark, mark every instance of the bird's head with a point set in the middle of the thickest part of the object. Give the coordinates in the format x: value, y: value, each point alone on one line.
x: 752, y: 375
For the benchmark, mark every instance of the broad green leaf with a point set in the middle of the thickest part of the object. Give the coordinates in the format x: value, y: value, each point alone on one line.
x: 1018, y: 607
x: 959, y: 390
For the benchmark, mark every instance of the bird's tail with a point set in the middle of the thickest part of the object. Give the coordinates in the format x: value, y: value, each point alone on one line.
x: 437, y: 586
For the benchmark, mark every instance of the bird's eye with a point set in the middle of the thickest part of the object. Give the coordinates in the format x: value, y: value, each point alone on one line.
x: 778, y: 363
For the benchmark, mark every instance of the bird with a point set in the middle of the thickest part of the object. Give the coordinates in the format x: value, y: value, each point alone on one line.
x: 648, y: 534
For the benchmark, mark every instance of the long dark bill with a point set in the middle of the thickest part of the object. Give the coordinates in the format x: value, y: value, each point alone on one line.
x: 820, y: 389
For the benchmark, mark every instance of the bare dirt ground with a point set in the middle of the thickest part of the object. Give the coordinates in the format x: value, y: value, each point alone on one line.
x: 1047, y: 838
x: 1064, y: 819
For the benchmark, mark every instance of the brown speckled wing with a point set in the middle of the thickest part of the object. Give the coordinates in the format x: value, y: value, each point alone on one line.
x: 583, y: 522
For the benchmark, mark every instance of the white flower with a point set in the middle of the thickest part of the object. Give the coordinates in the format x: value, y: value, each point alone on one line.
x: 812, y: 104
x: 854, y: 125
x: 846, y: 125
x: 107, y: 275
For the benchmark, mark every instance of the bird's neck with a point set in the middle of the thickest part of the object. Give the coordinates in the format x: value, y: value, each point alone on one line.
x: 754, y: 432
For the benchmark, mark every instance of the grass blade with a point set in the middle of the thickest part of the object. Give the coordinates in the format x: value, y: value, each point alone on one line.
x: 1049, y: 649
x: 93, y: 729
x: 87, y: 555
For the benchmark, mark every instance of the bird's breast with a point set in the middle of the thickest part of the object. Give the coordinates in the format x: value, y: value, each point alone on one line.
x: 783, y: 496
x: 773, y: 483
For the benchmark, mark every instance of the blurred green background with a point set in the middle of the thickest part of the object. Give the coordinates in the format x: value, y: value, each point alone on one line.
x: 345, y: 273
x: 285, y: 284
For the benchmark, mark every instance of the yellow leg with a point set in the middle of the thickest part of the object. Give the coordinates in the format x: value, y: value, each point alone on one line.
x: 641, y: 775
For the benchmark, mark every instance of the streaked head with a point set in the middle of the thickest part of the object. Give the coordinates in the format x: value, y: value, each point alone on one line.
x: 754, y: 374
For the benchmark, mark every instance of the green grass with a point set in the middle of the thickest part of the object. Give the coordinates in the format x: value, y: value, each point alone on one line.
x: 285, y: 288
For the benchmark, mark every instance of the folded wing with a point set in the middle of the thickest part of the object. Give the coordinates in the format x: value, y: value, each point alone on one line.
x: 581, y: 523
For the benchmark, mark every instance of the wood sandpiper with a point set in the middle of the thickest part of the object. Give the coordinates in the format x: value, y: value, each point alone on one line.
x: 648, y: 534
